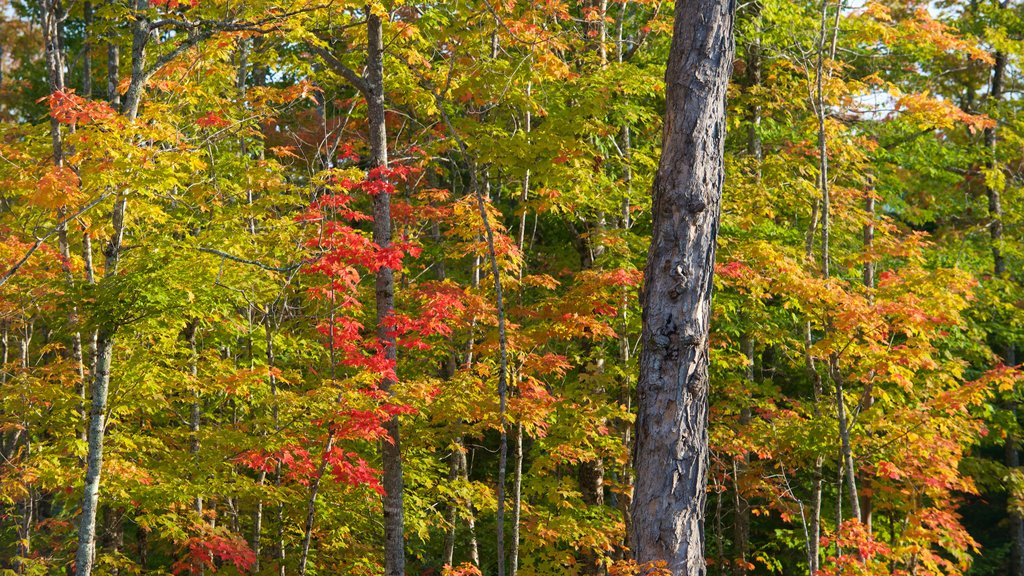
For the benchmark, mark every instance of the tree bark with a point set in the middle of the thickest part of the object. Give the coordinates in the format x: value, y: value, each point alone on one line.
x: 671, y: 457
x: 517, y: 499
x: 1008, y: 353
x: 394, y: 531
x: 105, y: 334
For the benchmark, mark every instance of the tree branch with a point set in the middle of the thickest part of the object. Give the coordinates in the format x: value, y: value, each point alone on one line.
x: 233, y: 258
x: 40, y: 239
x: 341, y: 69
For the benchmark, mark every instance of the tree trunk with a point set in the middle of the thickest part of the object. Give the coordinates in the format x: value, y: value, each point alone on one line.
x: 448, y: 556
x: 741, y: 521
x: 394, y: 531
x: 314, y: 490
x: 268, y: 324
x: 105, y: 335
x: 671, y: 457
x: 995, y: 213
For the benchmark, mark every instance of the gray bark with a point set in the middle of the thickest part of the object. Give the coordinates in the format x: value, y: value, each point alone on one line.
x: 835, y: 372
x: 671, y: 456
x: 394, y: 530
x: 105, y: 335
x: 87, y: 49
x: 517, y: 499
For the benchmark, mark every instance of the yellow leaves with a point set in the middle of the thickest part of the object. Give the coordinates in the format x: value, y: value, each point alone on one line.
x: 58, y: 187
x: 919, y: 31
x: 878, y: 11
x: 1001, y: 378
x: 995, y: 179
x: 540, y: 281
x: 551, y: 65
x: 931, y: 112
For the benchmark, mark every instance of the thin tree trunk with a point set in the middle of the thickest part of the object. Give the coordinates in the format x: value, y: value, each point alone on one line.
x: 499, y: 301
x: 87, y: 49
x: 98, y: 409
x: 105, y: 335
x: 55, y: 76
x: 741, y: 521
x: 474, y: 548
x: 502, y: 367
x: 995, y: 213
x: 517, y: 498
x: 25, y: 506
x: 280, y: 551
x: 314, y: 490
x: 671, y: 456
x: 196, y: 412
x: 823, y: 182
x: 448, y: 556
x: 113, y: 74
x: 394, y: 531
x: 625, y: 500
x: 1016, y: 526
x: 257, y: 524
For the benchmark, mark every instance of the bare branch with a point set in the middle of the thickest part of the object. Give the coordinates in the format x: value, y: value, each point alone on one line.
x: 233, y: 258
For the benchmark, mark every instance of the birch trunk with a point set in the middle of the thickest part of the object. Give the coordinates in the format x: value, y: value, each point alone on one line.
x: 105, y: 334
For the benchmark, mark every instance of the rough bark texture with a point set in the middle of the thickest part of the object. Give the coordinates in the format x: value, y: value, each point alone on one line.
x: 394, y: 538
x: 671, y: 457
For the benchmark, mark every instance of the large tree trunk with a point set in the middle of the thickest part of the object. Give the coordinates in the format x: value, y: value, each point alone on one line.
x: 671, y: 457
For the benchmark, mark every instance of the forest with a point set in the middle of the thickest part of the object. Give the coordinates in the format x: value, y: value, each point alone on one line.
x: 511, y: 287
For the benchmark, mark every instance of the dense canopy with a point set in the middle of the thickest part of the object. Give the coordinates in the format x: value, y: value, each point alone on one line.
x: 349, y: 288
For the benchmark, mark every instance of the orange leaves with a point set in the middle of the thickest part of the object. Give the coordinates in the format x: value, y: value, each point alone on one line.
x: 929, y: 112
x: 285, y: 152
x: 1002, y: 378
x: 920, y: 31
x: 862, y: 553
x: 262, y: 96
x: 631, y: 568
x: 930, y: 31
x: 59, y: 186
x: 464, y: 569
x: 68, y: 108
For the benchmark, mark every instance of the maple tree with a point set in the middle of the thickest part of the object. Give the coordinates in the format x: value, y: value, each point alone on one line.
x: 312, y: 287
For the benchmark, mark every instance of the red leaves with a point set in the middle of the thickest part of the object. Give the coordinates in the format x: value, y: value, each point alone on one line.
x: 175, y: 4
x: 348, y: 468
x: 212, y: 120
x: 68, y: 108
x: 735, y: 270
x: 205, y: 551
x: 345, y: 152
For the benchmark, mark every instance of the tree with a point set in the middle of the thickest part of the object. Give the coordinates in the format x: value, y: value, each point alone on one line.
x: 671, y: 457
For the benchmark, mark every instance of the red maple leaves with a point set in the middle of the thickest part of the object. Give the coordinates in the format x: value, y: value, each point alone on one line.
x: 69, y: 108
